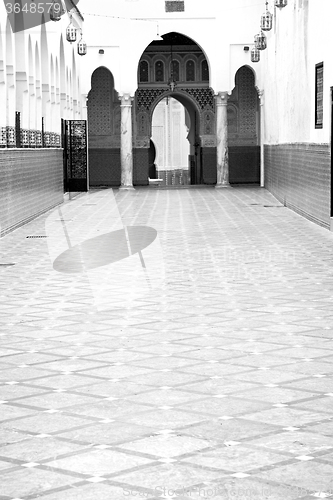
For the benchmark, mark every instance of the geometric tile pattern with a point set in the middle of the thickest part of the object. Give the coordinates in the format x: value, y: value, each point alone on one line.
x: 201, y: 368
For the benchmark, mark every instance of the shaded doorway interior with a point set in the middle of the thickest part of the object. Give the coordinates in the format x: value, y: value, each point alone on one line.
x: 244, y: 129
x: 103, y: 130
x: 170, y: 134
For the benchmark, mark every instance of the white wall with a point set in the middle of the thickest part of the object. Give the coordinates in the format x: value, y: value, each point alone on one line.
x: 125, y: 28
x: 301, y: 38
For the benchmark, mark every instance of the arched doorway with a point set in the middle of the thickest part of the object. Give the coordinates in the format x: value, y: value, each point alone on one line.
x: 170, y: 133
x: 175, y: 132
x: 104, y: 130
x: 176, y: 67
x: 243, y: 129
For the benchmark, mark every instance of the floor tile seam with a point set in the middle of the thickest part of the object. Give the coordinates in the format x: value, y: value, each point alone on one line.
x: 306, y: 427
x: 288, y: 384
x: 57, y: 373
x: 244, y: 469
x: 84, y: 359
x: 66, y: 472
x: 89, y: 421
x: 207, y: 414
x: 83, y: 476
x: 99, y: 420
x: 319, y: 412
x: 173, y: 427
x: 45, y: 362
x: 44, y: 461
x: 287, y: 403
x: 316, y: 454
x: 156, y: 457
x: 256, y: 367
x: 45, y: 494
x: 51, y: 388
x: 97, y: 398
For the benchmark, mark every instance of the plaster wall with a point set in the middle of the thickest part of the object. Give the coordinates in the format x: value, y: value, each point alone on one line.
x: 128, y: 27
x: 301, y: 37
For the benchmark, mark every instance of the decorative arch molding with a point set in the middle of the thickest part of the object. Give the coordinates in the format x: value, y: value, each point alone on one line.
x: 250, y: 68
x: 203, y: 98
x: 146, y: 100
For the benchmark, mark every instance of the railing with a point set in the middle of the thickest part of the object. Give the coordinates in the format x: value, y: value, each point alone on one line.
x: 17, y: 137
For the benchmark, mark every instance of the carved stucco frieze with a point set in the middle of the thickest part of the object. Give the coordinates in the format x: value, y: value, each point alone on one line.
x: 208, y: 141
x: 204, y: 97
x: 146, y: 99
x: 142, y: 143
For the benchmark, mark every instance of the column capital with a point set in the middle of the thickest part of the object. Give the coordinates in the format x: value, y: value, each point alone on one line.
x: 126, y: 100
x: 260, y: 93
x: 221, y: 98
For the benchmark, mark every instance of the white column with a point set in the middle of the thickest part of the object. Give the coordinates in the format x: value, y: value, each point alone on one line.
x: 126, y: 148
x: 221, y: 100
x: 262, y: 138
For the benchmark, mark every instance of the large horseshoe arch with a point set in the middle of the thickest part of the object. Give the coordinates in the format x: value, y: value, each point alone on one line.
x: 195, y: 95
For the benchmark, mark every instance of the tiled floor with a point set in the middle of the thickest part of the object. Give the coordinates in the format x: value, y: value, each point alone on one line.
x: 189, y: 357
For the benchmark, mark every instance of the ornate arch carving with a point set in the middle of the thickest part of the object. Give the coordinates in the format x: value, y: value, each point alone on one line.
x: 147, y: 98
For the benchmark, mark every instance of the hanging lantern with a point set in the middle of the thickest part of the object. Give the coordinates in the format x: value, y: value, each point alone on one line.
x: 266, y: 21
x: 260, y: 41
x: 255, y: 55
x: 71, y: 32
x: 81, y: 47
x: 280, y: 3
x: 56, y: 11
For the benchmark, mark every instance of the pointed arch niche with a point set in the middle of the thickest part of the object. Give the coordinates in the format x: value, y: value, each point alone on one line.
x: 243, y: 129
x: 104, y: 130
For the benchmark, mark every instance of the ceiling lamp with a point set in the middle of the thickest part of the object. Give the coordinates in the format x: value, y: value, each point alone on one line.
x: 81, y: 47
x: 71, y: 32
x: 56, y: 11
x: 255, y: 55
x: 266, y: 21
x: 260, y: 41
x: 280, y: 3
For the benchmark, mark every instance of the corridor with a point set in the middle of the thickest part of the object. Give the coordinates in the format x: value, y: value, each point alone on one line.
x: 167, y: 344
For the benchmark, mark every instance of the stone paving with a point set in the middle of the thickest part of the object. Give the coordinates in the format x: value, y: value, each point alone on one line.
x: 167, y: 344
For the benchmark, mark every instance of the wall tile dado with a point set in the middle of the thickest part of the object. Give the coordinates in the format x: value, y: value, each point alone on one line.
x: 31, y: 182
